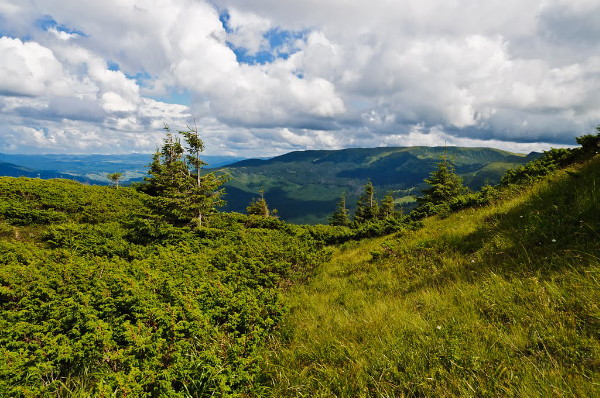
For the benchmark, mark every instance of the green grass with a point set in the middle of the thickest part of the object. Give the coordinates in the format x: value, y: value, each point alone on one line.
x: 497, y: 301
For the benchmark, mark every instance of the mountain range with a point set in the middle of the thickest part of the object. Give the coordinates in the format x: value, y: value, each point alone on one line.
x: 303, y: 186
x: 13, y: 170
x: 89, y: 168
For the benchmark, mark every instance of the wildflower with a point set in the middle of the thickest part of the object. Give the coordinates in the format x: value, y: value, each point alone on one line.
x: 553, y: 240
x: 472, y: 261
x: 438, y: 327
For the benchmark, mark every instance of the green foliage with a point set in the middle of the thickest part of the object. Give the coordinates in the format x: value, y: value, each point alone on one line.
x: 335, y: 235
x: 259, y: 207
x: 331, y: 235
x: 590, y: 143
x: 100, y: 296
x: 388, y: 207
x: 111, y: 300
x: 553, y: 160
x: 340, y: 215
x: 31, y: 201
x: 103, y: 240
x: 367, y: 208
x: 378, y: 228
x: 183, y: 193
x: 5, y: 229
x: 444, y: 184
x: 115, y: 178
x: 534, y: 170
x: 306, y: 185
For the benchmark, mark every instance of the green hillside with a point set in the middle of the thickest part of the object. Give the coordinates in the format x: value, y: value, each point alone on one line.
x: 103, y: 293
x: 498, y: 301
x: 101, y: 297
x: 305, y: 186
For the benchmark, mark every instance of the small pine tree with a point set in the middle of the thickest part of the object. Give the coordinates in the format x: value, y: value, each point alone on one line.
x: 444, y: 184
x: 367, y: 207
x: 115, y: 178
x: 388, y: 207
x: 340, y: 215
x: 258, y: 206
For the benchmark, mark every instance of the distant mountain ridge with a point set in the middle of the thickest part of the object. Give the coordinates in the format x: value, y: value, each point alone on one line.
x: 93, y: 168
x: 305, y: 185
x: 13, y: 170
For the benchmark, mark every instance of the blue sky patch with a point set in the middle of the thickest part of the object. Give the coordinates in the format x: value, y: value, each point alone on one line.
x: 47, y: 22
x: 112, y: 65
x: 140, y: 78
x: 175, y: 97
x: 224, y: 17
x: 281, y: 44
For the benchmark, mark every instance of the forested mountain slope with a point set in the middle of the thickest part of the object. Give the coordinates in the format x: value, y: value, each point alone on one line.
x: 497, y: 301
x: 304, y: 186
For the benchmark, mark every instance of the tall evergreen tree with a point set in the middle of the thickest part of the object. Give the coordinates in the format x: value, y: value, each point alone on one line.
x: 183, y: 193
x: 340, y: 215
x: 388, y: 207
x: 204, y: 193
x: 367, y: 207
x: 444, y: 183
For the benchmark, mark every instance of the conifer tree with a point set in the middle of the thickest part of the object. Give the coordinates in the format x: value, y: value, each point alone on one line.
x: 115, y: 178
x: 444, y: 184
x: 388, y: 207
x: 367, y: 207
x: 340, y: 215
x: 183, y: 193
x: 258, y: 206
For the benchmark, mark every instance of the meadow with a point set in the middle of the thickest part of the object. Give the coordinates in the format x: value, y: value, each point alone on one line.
x: 501, y: 300
x: 492, y: 293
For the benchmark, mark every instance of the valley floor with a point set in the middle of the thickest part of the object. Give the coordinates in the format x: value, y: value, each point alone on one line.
x: 498, y: 301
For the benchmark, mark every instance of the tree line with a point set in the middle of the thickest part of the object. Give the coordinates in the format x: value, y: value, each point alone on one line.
x: 444, y: 185
x: 185, y: 195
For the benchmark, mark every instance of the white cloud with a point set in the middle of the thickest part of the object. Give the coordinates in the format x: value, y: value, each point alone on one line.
x: 346, y: 74
x: 29, y: 69
x: 62, y: 35
x: 248, y: 31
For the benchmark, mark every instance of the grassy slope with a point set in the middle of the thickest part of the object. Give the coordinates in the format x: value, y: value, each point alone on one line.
x: 500, y: 301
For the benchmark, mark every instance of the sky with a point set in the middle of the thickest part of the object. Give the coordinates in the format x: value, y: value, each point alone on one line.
x: 265, y: 77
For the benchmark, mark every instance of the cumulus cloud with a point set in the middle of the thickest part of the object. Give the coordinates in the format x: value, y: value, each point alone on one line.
x: 29, y: 69
x: 268, y: 76
x: 248, y: 31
